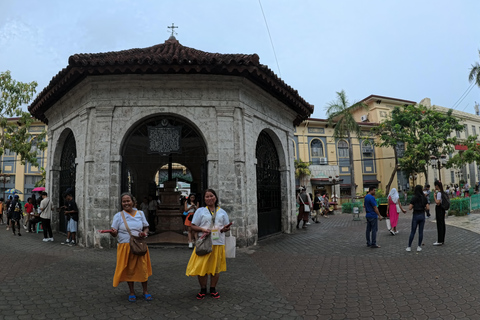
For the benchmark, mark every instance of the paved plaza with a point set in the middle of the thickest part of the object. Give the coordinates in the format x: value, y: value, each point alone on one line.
x: 324, y: 272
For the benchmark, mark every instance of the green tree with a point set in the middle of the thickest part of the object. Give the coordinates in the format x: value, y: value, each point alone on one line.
x: 15, y: 135
x: 340, y: 116
x: 425, y: 132
x: 475, y: 72
x: 302, y: 170
x: 470, y: 155
x: 391, y: 134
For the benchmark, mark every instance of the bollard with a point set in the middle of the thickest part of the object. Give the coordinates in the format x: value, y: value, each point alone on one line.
x: 356, y: 212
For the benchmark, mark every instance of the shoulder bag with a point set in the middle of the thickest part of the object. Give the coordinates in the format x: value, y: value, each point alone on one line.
x: 306, y: 207
x: 204, y: 244
x: 138, y: 245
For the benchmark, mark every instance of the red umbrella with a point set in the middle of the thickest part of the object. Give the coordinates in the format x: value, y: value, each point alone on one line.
x: 39, y: 189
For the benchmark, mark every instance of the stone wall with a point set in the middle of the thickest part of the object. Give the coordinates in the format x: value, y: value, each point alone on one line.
x: 229, y: 112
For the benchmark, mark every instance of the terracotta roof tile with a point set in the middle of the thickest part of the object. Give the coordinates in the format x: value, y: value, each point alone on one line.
x: 168, y: 58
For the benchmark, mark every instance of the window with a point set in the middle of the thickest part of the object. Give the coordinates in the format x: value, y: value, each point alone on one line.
x: 367, y: 149
x: 343, y: 149
x: 316, y: 151
x: 452, y: 176
x: 458, y: 134
x: 7, y: 152
x: 345, y: 191
x: 465, y: 128
x: 31, y: 180
x: 474, y: 130
x: 400, y: 149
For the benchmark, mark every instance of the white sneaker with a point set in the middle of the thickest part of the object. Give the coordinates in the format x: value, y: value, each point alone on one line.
x: 45, y: 239
x: 308, y: 223
x: 408, y: 249
x: 190, y: 245
x: 396, y: 232
x: 65, y: 242
x: 50, y: 239
x: 419, y: 248
x: 437, y: 244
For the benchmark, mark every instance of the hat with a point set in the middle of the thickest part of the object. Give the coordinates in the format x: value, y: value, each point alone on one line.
x: 301, y: 188
x: 16, y: 196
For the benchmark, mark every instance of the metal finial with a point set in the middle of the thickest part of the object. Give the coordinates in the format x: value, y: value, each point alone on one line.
x: 173, y: 29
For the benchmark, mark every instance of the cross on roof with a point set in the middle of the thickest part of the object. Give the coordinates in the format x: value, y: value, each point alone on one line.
x: 173, y: 29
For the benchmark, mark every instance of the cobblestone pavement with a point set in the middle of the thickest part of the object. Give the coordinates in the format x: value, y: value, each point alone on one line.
x: 324, y: 272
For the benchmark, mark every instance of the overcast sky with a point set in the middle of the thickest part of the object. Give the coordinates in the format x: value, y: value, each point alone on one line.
x: 402, y: 49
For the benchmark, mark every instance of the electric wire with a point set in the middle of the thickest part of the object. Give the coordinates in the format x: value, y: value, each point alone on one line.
x: 463, y: 96
x: 271, y: 41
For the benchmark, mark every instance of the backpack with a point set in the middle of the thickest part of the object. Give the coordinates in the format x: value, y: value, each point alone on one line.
x: 445, y: 202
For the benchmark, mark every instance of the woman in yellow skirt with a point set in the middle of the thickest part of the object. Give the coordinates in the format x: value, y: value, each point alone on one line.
x: 214, y: 221
x: 131, y: 268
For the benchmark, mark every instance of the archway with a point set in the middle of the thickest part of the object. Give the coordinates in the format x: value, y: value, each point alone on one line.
x: 269, y: 207
x: 162, y: 141
x: 68, y: 172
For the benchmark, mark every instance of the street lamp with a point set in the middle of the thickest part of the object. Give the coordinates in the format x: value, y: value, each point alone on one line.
x: 5, y: 179
x: 438, y: 164
x: 334, y: 181
x: 413, y: 178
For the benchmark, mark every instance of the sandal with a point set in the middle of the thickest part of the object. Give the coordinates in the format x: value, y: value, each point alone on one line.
x: 215, y: 295
x: 200, y: 296
x: 148, y: 297
x: 132, y: 298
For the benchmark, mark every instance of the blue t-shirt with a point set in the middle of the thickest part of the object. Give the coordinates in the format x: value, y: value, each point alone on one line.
x: 370, y: 203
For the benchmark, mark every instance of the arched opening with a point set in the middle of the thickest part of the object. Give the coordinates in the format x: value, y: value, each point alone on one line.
x: 68, y: 171
x: 158, y: 155
x: 269, y: 208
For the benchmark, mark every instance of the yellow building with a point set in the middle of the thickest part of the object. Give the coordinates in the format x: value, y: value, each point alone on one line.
x: 330, y: 168
x: 18, y: 176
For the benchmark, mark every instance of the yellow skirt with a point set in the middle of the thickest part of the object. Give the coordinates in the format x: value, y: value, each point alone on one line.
x: 211, y: 263
x: 130, y: 267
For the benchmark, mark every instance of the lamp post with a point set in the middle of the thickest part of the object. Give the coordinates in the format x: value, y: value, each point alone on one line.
x: 334, y: 181
x: 413, y: 177
x: 5, y: 179
x: 438, y: 163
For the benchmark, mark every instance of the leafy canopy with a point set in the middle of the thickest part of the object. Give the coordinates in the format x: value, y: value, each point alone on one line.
x: 15, y: 135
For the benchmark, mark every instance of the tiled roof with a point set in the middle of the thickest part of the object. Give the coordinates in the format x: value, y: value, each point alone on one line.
x: 168, y: 58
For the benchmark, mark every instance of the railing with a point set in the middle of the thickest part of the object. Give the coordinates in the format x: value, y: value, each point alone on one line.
x: 475, y: 201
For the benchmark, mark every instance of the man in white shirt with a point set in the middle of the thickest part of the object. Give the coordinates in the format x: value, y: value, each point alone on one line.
x: 45, y: 210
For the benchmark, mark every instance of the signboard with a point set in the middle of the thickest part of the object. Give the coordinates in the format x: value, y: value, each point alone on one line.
x: 164, y: 139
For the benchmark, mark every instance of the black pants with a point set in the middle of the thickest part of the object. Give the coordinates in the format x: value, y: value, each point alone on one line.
x: 31, y: 225
x: 47, y: 228
x: 152, y: 214
x: 440, y: 217
x: 17, y: 223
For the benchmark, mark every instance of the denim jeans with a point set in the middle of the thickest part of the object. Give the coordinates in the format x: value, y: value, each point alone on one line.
x: 372, y: 227
x: 418, y: 219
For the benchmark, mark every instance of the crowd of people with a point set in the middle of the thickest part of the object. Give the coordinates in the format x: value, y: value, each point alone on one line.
x: 420, y: 206
x: 308, y: 209
x: 27, y: 216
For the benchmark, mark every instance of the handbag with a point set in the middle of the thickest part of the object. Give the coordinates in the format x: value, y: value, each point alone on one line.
x: 138, y: 245
x: 306, y: 207
x: 230, y: 246
x: 203, y: 245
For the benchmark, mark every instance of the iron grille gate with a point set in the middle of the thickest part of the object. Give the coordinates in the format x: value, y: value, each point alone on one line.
x: 268, y: 187
x: 67, y: 174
